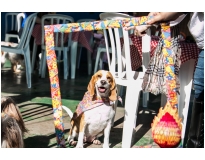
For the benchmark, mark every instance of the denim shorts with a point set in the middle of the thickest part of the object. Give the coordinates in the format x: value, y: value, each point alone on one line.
x: 199, y: 77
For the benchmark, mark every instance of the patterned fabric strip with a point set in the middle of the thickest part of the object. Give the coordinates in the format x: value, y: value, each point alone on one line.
x: 88, y: 103
x: 98, y: 25
x: 169, y: 62
x: 55, y: 89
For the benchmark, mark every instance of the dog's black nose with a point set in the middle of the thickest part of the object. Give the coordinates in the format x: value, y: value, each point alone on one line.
x: 103, y: 82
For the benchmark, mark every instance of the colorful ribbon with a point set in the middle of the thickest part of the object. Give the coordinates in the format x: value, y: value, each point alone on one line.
x: 89, y: 26
x: 169, y: 65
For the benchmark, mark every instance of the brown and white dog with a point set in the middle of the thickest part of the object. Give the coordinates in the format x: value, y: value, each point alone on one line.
x: 16, y: 60
x: 12, y: 124
x: 94, y: 114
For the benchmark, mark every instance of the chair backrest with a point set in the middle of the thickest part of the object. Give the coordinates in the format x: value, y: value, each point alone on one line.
x: 113, y: 15
x: 20, y: 17
x: 119, y: 61
x: 86, y: 20
x: 56, y: 19
x: 27, y: 30
x: 11, y: 21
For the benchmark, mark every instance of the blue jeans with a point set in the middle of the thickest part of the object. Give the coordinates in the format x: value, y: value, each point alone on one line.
x: 199, y: 77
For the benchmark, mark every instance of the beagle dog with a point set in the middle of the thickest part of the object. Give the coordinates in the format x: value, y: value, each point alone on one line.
x: 12, y: 124
x: 94, y: 114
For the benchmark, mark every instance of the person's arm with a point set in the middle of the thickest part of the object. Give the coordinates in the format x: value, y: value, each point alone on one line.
x: 138, y: 30
x: 163, y: 17
x: 157, y: 18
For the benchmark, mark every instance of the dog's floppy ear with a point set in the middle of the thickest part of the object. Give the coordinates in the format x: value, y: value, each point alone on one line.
x: 9, y: 107
x: 91, y: 86
x: 11, y: 133
x: 113, y: 93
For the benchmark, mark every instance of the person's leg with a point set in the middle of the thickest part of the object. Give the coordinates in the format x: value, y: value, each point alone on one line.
x: 196, y: 131
x: 199, y: 77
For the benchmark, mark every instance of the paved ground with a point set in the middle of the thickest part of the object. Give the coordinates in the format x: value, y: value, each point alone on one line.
x: 35, y: 106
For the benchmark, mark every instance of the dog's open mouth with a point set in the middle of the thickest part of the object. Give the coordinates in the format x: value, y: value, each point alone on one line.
x: 101, y: 89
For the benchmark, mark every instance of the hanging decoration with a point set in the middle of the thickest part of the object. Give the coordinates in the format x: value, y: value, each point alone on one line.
x: 166, y: 126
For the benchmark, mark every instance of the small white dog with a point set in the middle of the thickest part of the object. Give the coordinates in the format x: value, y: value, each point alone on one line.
x: 17, y: 60
x: 94, y: 114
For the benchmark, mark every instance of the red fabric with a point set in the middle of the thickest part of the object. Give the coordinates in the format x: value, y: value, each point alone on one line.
x: 136, y: 58
x: 82, y: 37
x: 188, y: 50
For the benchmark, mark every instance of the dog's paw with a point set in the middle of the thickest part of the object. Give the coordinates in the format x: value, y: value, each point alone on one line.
x: 97, y: 142
x: 73, y: 143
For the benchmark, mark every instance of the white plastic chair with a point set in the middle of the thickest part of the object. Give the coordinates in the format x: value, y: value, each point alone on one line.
x: 114, y: 15
x: 120, y: 66
x: 23, y: 46
x: 16, y: 19
x: 20, y: 17
x: 55, y: 19
x: 145, y: 47
x: 11, y: 25
x: 102, y: 50
x: 89, y: 59
x: 99, y: 58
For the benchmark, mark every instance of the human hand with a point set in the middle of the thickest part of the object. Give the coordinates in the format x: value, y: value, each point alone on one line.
x: 159, y: 17
x: 138, y: 30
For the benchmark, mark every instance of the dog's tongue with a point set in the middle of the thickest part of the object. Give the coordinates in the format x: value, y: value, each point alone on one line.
x: 101, y: 89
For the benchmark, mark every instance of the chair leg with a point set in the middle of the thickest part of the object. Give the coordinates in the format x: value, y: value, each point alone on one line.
x: 65, y: 63
x: 73, y: 58
x: 97, y: 60
x: 131, y: 106
x: 79, y: 50
x: 145, y: 98
x: 59, y: 56
x: 185, y: 92
x: 28, y: 66
x: 7, y: 38
x: 33, y: 55
x: 43, y: 65
x: 115, y: 105
x: 101, y: 60
x: 89, y: 62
